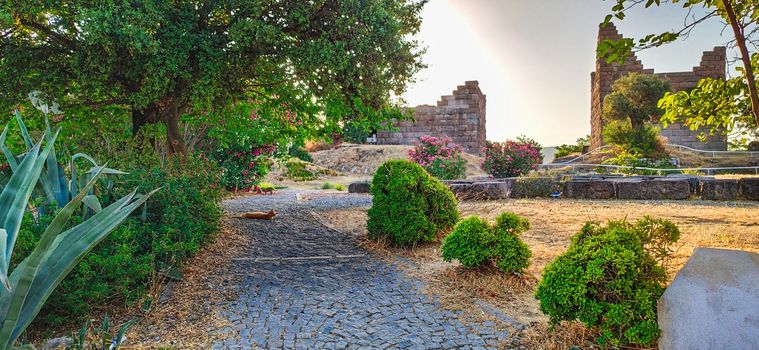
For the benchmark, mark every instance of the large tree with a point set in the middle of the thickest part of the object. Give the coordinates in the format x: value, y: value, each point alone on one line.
x: 164, y: 59
x: 718, y: 105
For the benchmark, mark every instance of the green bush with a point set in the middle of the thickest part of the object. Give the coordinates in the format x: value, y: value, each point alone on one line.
x: 535, y: 186
x: 179, y: 219
x: 474, y: 243
x: 610, y: 279
x: 468, y: 242
x: 409, y: 205
x: 301, y: 153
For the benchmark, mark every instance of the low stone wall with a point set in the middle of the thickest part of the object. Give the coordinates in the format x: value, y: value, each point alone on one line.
x: 612, y: 187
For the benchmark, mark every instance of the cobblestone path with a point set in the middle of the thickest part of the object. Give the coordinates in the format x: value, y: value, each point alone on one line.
x: 305, y: 286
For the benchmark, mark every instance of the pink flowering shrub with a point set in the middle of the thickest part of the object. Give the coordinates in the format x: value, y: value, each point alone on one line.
x: 511, y: 158
x: 440, y: 157
x: 244, y: 166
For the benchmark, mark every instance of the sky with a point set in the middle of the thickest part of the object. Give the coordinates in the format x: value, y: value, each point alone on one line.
x: 533, y: 58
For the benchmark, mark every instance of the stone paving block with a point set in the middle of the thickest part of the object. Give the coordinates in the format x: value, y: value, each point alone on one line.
x: 329, y: 302
x: 713, y: 302
x: 722, y: 189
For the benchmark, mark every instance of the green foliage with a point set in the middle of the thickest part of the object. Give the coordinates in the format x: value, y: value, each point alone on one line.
x: 299, y: 170
x: 715, y: 104
x: 643, y: 141
x: 565, y: 150
x: 300, y: 153
x: 54, y: 186
x: 266, y: 186
x: 160, y: 59
x: 408, y: 205
x: 440, y: 157
x: 243, y: 166
x: 467, y: 242
x: 535, y: 186
x: 178, y: 220
x: 474, y: 243
x: 91, y: 337
x: 635, y: 97
x: 610, y: 279
x: 511, y: 158
x: 330, y: 186
x: 32, y: 280
x: 719, y: 105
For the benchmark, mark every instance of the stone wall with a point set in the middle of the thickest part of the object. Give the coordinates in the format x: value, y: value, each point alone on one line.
x: 460, y: 116
x: 713, y: 65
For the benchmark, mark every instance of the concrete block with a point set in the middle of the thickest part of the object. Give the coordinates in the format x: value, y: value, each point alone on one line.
x: 593, y: 189
x: 721, y: 190
x: 713, y: 302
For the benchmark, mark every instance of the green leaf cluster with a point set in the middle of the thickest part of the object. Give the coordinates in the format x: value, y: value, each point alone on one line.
x: 610, y: 279
x: 475, y: 243
x: 409, y: 206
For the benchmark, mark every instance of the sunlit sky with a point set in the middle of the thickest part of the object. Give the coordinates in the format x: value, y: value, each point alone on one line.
x: 533, y: 58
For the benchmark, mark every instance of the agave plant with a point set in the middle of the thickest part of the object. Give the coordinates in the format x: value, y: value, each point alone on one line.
x: 59, y: 249
x: 53, y: 184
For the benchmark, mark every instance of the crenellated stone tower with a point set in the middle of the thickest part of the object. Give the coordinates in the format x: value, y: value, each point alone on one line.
x: 713, y: 65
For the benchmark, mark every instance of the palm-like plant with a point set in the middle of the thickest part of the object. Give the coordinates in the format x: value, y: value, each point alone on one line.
x: 59, y: 249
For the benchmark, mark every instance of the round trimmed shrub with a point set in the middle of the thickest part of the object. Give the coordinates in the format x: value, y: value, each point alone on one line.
x: 474, y: 243
x: 610, y: 279
x: 465, y: 243
x: 408, y: 205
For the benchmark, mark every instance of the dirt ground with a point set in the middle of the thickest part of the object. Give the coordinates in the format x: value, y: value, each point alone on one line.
x: 733, y: 225
x: 352, y: 163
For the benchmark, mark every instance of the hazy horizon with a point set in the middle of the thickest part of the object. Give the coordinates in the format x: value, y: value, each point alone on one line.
x: 533, y: 59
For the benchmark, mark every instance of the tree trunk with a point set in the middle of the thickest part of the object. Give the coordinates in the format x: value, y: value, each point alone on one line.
x: 169, y: 116
x: 175, y: 144
x: 748, y: 70
x: 146, y: 116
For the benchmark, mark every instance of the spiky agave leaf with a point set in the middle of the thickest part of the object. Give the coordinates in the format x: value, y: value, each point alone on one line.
x: 13, y: 202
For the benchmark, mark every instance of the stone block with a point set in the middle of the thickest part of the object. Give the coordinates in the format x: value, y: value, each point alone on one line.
x: 654, y: 189
x: 359, y: 187
x: 721, y: 190
x: 713, y: 302
x: 492, y: 189
x: 462, y: 190
x: 750, y: 188
x: 594, y: 189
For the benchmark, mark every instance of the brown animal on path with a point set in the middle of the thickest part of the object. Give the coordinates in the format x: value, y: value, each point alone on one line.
x: 267, y: 191
x: 259, y: 215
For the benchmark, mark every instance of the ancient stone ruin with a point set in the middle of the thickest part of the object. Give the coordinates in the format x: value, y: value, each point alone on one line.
x: 460, y: 116
x: 713, y: 65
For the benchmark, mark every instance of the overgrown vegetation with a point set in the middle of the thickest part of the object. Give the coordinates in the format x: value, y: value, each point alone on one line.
x: 409, y: 206
x: 177, y: 221
x: 610, y: 279
x: 440, y: 157
x: 475, y: 243
x: 565, y: 150
x: 511, y: 158
x: 299, y: 170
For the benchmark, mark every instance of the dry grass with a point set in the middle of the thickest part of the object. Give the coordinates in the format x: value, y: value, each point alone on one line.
x: 189, y: 315
x: 732, y: 225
